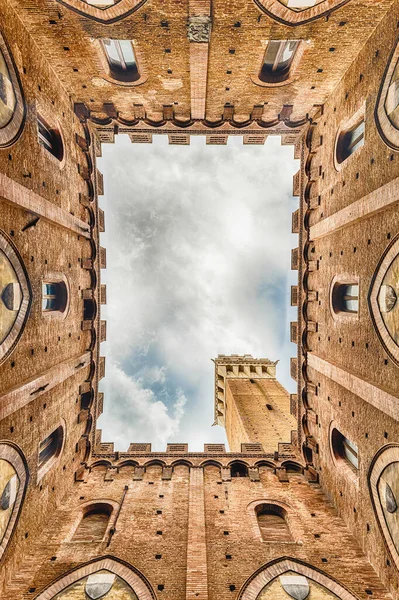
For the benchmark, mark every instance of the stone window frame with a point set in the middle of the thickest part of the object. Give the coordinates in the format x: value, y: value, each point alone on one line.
x: 131, y: 576
x: 42, y: 471
x: 12, y: 254
x: 302, y: 46
x: 266, y: 574
x: 391, y: 252
x: 388, y: 132
x: 287, y: 16
x: 345, y: 126
x: 14, y: 455
x: 11, y: 132
x: 341, y: 315
x: 53, y: 123
x: 385, y: 456
x: 54, y: 277
x: 119, y: 10
x: 290, y: 518
x: 104, y: 67
x: 342, y: 465
x: 84, y: 508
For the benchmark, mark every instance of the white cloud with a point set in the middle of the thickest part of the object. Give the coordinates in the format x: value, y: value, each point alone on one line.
x: 198, y: 253
x: 144, y: 417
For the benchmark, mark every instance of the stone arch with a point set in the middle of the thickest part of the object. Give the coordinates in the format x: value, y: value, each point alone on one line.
x: 90, y: 506
x: 278, y: 10
x: 383, y: 480
x: 387, y: 127
x: 14, y: 477
x: 383, y: 300
x: 181, y: 461
x: 266, y: 574
x: 119, y: 10
x: 155, y: 462
x: 210, y: 462
x: 15, y: 296
x: 11, y: 129
x: 281, y: 508
x: 131, y: 576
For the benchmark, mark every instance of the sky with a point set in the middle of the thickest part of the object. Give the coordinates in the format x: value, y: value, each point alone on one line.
x: 198, y: 242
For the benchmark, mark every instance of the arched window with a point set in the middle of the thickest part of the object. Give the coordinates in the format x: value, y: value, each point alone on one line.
x: 13, y: 481
x: 272, y: 523
x: 349, y: 141
x: 50, y: 138
x: 54, y: 296
x: 7, y: 95
x: 277, y: 60
x: 121, y: 59
x: 15, y: 296
x: 49, y: 449
x: 345, y: 297
x: 9, y: 485
x: 298, y: 5
x: 93, y: 524
x: 89, y: 309
x: 239, y: 470
x: 384, y: 487
x: 344, y: 449
x: 12, y: 112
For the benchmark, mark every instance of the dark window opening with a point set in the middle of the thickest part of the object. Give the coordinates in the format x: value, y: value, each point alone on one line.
x: 345, y: 297
x: 349, y: 141
x: 50, y: 447
x: 50, y: 138
x: 239, y: 470
x: 278, y: 60
x: 121, y: 59
x: 54, y: 296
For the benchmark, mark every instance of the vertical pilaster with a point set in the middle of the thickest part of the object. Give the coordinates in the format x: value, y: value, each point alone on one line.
x: 199, y: 28
x: 197, y: 575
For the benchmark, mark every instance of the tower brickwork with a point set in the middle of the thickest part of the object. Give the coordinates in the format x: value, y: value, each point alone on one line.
x: 251, y: 403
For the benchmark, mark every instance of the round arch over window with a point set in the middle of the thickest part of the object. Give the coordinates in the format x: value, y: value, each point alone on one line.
x: 297, y: 12
x: 269, y: 579
x: 387, y: 106
x: 12, y: 110
x: 13, y: 481
x: 344, y: 297
x: 383, y: 300
x: 384, y: 489
x: 104, y: 11
x: 15, y: 296
x: 106, y: 572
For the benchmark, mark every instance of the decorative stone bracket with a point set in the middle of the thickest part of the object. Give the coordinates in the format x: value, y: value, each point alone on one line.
x: 199, y: 29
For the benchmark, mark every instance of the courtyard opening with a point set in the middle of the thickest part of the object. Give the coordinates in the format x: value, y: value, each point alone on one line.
x: 198, y: 243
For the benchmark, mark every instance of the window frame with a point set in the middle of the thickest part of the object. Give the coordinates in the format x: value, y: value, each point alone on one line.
x: 55, y: 279
x: 289, y: 75
x: 13, y: 128
x: 345, y: 128
x: 279, y: 12
x: 50, y: 138
x: 339, y: 280
x: 388, y: 131
x: 45, y: 467
x: 337, y: 437
x: 107, y: 73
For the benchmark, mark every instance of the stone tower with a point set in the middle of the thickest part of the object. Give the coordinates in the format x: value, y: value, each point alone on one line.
x: 250, y: 403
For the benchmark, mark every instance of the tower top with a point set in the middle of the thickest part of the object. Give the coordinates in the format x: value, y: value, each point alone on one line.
x: 237, y: 367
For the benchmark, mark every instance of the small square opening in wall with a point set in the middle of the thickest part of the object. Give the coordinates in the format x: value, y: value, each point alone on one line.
x: 232, y: 587
x: 161, y: 587
x: 228, y: 557
x: 159, y: 532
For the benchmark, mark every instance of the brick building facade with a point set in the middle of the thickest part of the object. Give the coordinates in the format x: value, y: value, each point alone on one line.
x: 306, y: 501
